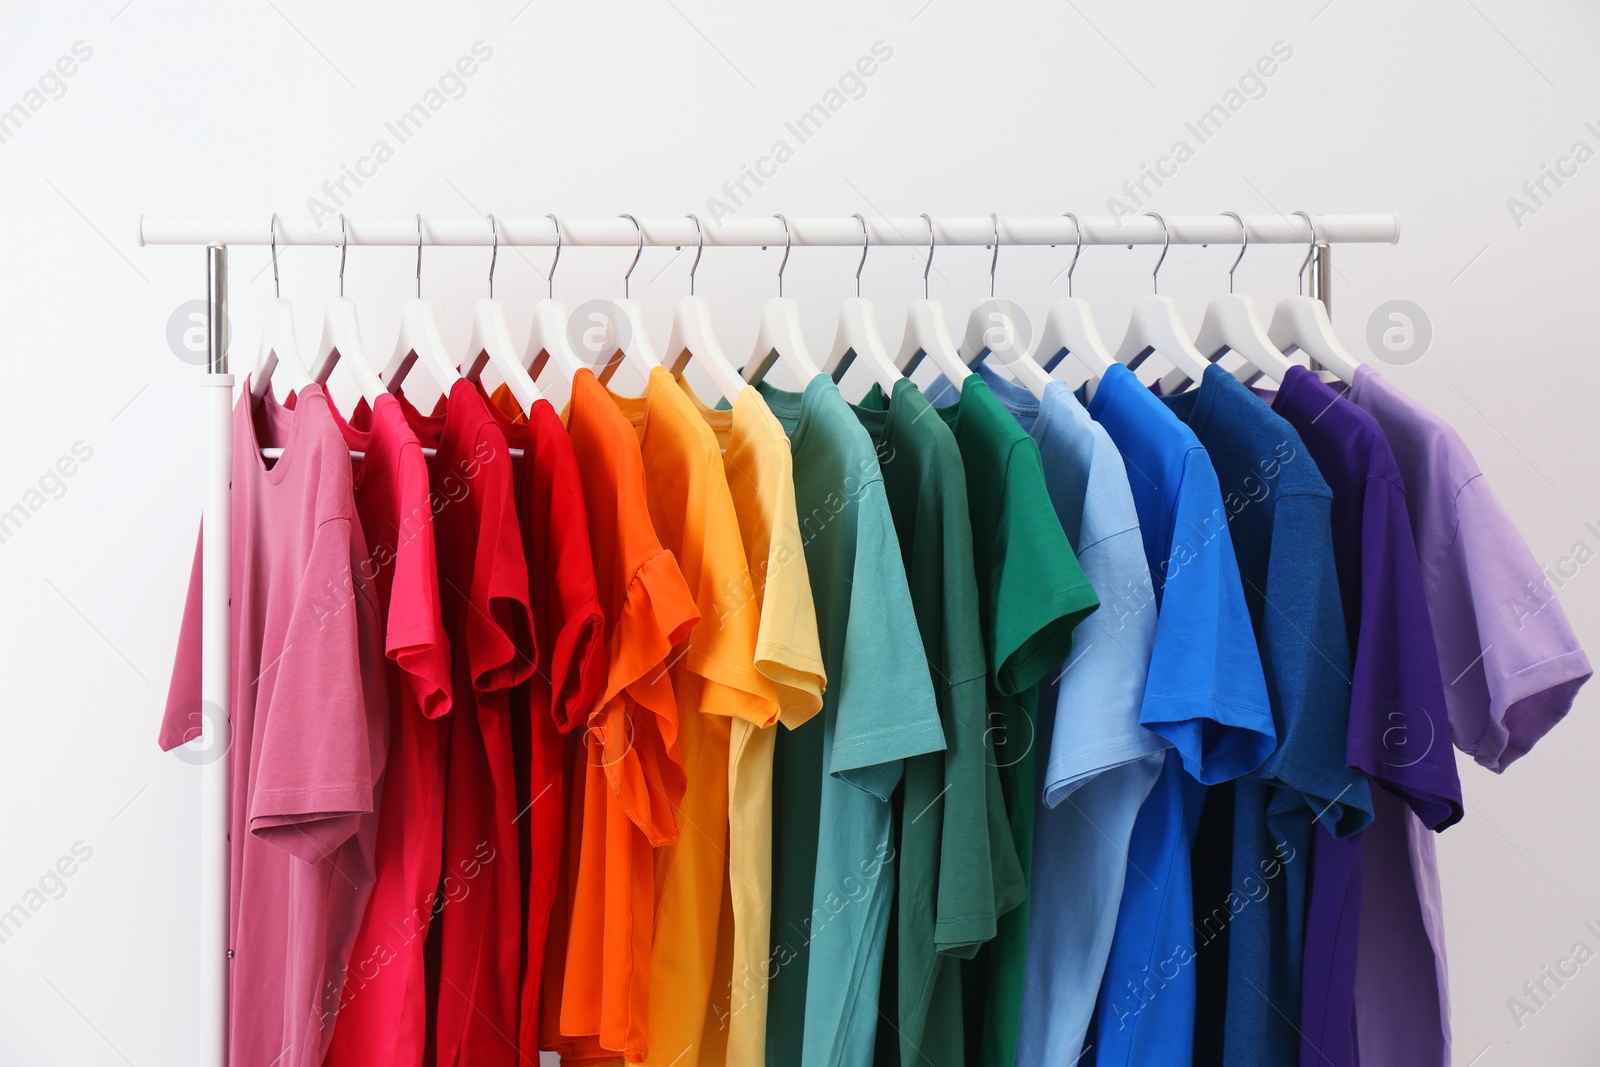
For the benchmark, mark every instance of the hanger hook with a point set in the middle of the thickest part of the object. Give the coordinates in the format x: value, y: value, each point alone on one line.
x: 866, y: 243
x: 344, y: 244
x: 698, y: 250
x: 1077, y: 249
x: 628, y: 276
x: 1244, y: 243
x: 275, y: 290
x: 1311, y: 250
x: 550, y: 278
x: 788, y: 243
x: 994, y: 220
x: 419, y: 257
x: 1166, y: 240
x: 494, y: 230
x: 926, y: 267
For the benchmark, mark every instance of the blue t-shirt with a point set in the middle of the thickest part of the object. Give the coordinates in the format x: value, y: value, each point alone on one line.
x: 1205, y: 693
x: 1252, y: 854
x: 1099, y: 762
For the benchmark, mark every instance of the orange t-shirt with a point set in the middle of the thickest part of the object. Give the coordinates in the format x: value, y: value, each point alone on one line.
x: 716, y: 682
x: 629, y: 777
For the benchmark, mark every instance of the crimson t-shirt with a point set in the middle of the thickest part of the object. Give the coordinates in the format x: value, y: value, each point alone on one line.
x: 483, y: 583
x: 569, y: 632
x: 382, y: 1014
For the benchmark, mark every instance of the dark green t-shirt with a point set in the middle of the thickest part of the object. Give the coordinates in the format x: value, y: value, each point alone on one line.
x: 953, y: 885
x: 1031, y: 594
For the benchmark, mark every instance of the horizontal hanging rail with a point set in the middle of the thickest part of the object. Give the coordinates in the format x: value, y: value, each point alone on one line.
x: 842, y: 231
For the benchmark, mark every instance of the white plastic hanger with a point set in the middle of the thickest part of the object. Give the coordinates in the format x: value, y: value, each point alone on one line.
x: 279, y: 350
x: 420, y: 340
x: 693, y: 337
x: 992, y: 332
x: 1232, y: 324
x: 779, y: 339
x: 1156, y: 325
x: 341, y: 337
x: 857, y: 336
x: 1069, y: 328
x: 1300, y: 323
x: 635, y: 348
x: 491, y: 341
x: 927, y: 332
x: 547, y: 342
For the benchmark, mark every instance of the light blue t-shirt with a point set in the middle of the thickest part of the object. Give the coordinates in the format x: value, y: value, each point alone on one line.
x: 1099, y: 762
x: 1205, y: 692
x: 879, y: 710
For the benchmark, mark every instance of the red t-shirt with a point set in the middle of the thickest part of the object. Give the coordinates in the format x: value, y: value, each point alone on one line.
x: 382, y: 1013
x: 310, y: 717
x: 483, y: 583
x: 570, y: 633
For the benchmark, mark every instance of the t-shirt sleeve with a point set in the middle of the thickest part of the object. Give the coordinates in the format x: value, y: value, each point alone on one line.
x: 788, y: 648
x: 1205, y: 692
x: 498, y: 621
x: 1399, y: 728
x: 1305, y: 657
x: 1512, y: 665
x: 182, y: 721
x: 415, y: 638
x: 886, y: 707
x: 1040, y: 591
x: 314, y: 775
x: 576, y: 660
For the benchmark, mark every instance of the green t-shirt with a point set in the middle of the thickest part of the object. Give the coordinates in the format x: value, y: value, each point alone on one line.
x: 833, y: 850
x: 1031, y: 594
x: 952, y: 889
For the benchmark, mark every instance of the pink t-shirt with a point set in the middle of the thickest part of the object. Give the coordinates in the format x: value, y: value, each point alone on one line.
x: 310, y: 725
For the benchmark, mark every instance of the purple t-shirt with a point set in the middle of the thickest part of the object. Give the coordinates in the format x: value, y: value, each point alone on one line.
x: 1512, y: 667
x: 1398, y: 717
x: 310, y: 728
x: 1511, y: 661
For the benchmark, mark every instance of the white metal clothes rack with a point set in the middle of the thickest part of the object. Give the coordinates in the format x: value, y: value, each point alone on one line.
x: 845, y: 231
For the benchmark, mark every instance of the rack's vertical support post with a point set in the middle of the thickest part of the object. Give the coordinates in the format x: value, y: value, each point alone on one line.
x: 215, y: 682
x: 1321, y: 283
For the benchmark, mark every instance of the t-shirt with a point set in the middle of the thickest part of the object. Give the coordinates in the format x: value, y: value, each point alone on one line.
x: 833, y: 873
x: 309, y: 715
x: 715, y: 681
x: 1205, y: 693
x: 760, y: 472
x: 569, y: 632
x: 1099, y: 763
x: 629, y: 776
x: 1398, y: 720
x: 1251, y: 929
x: 1031, y: 594
x: 484, y: 589
x: 383, y: 1010
x: 1506, y: 685
x: 1508, y: 655
x: 950, y: 895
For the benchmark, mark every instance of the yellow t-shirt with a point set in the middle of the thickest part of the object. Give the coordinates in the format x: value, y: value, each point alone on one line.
x: 716, y: 682
x: 760, y: 475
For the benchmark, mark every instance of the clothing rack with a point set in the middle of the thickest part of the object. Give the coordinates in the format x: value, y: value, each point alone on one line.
x: 212, y: 747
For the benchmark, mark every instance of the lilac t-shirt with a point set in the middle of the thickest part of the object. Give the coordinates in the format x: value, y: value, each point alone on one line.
x: 1511, y: 662
x: 310, y: 728
x: 1398, y: 720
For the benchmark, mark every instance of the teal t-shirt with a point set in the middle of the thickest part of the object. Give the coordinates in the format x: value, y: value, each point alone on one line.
x: 955, y: 878
x: 1031, y: 595
x: 833, y: 849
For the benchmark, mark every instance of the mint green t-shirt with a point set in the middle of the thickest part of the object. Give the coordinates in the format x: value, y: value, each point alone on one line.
x: 833, y: 848
x: 956, y: 879
x: 1032, y: 593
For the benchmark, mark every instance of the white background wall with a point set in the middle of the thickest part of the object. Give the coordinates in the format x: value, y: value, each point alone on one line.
x: 1436, y: 110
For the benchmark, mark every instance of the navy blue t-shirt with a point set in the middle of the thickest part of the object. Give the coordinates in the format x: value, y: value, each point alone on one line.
x: 1252, y: 854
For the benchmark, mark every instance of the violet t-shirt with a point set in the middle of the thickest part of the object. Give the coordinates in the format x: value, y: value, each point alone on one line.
x: 1398, y: 721
x: 310, y: 722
